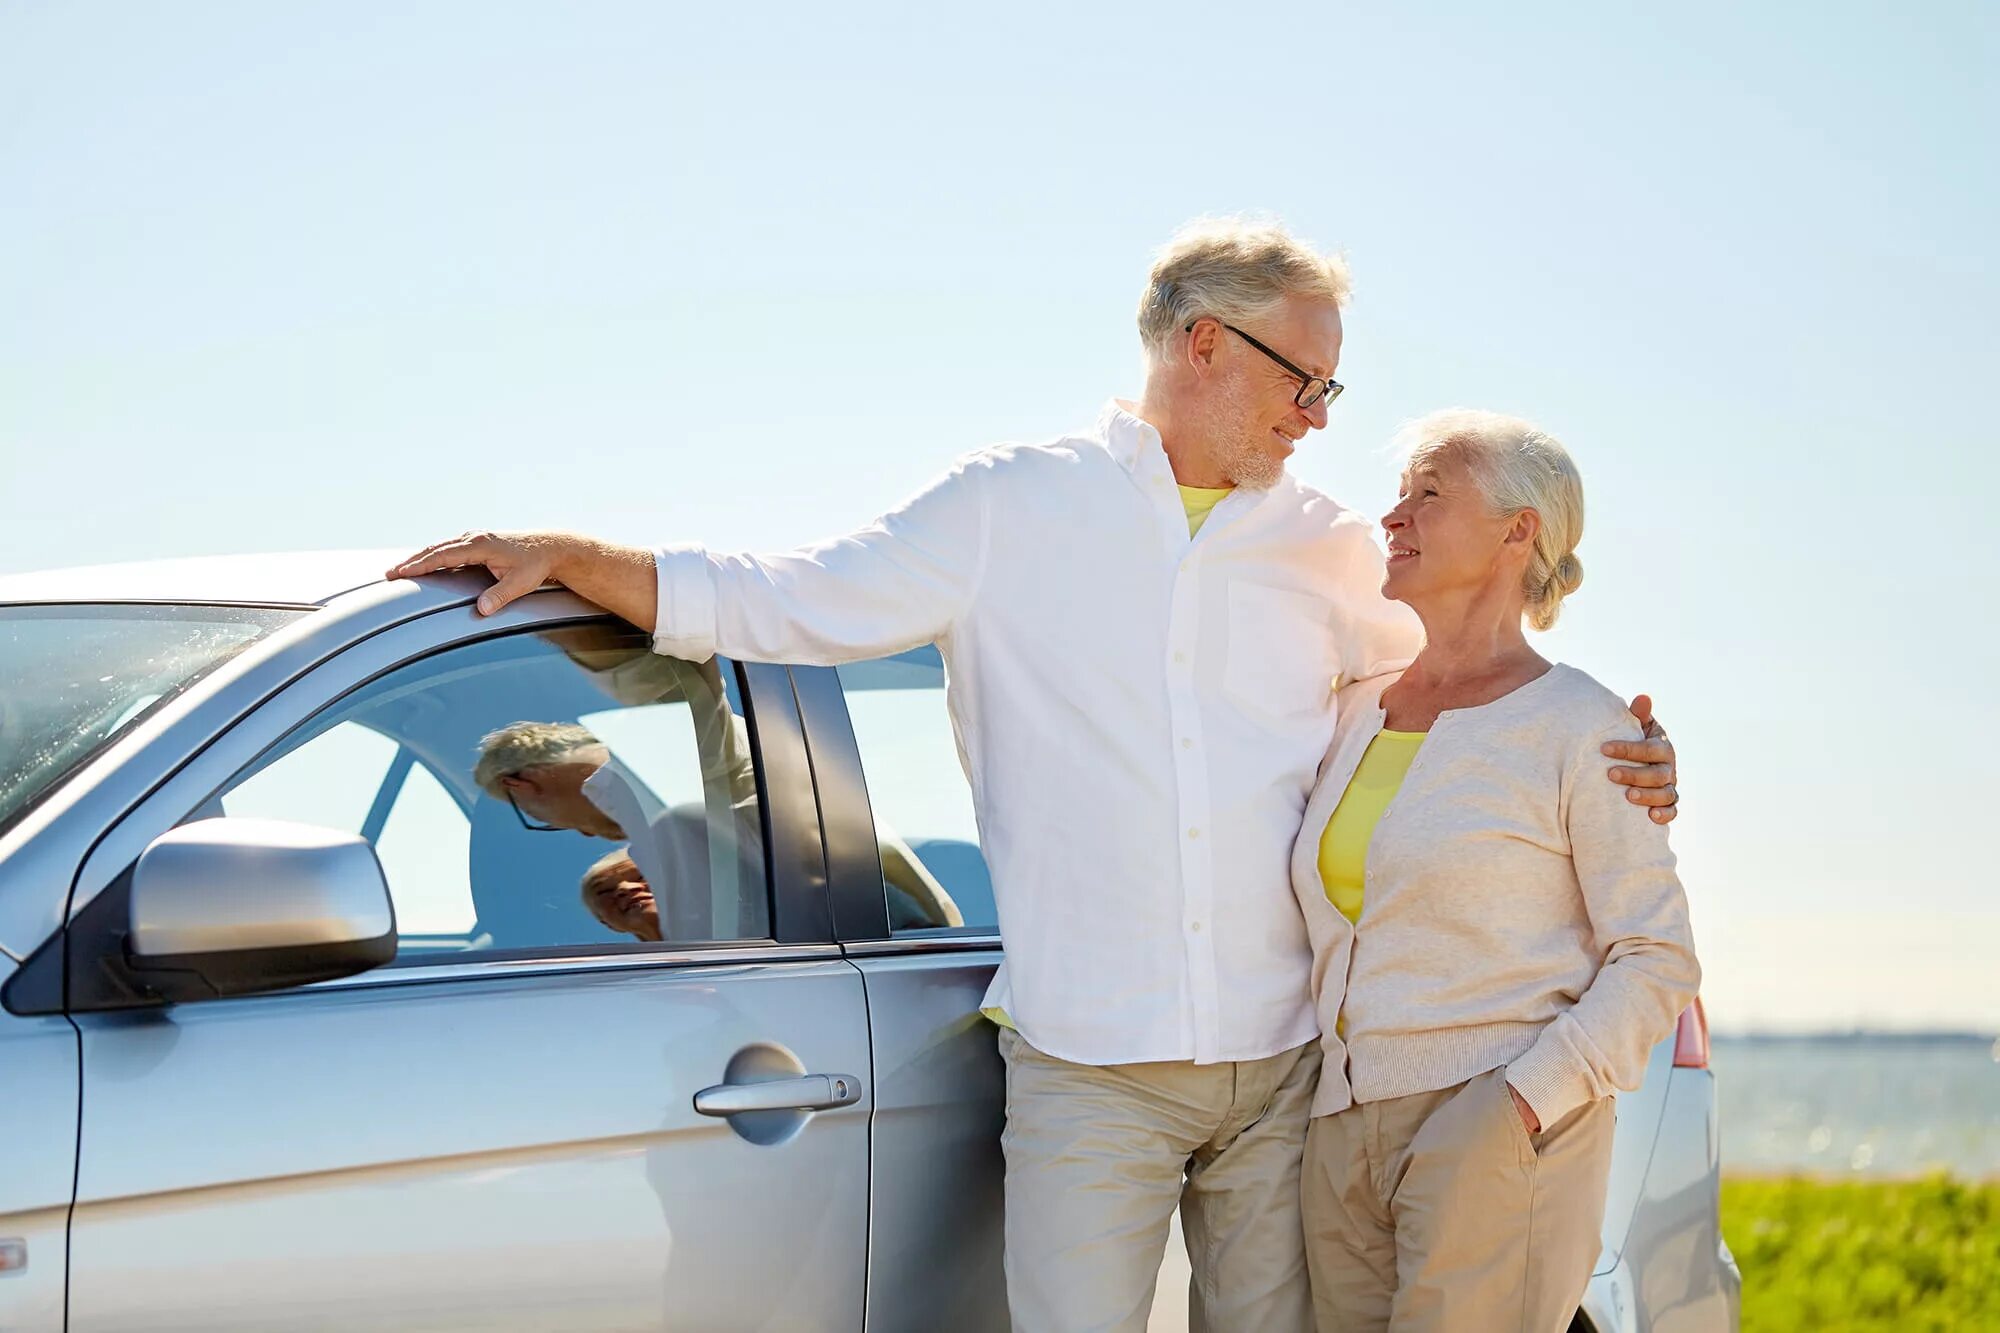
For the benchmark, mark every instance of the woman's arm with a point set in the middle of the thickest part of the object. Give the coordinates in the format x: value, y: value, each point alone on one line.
x: 1639, y: 922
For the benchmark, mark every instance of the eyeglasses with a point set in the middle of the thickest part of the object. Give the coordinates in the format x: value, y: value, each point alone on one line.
x: 1312, y: 388
x: 528, y: 824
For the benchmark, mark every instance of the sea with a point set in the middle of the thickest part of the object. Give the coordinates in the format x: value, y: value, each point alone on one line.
x: 1864, y: 1104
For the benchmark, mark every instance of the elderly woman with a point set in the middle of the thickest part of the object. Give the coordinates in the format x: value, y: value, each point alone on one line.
x: 1498, y: 942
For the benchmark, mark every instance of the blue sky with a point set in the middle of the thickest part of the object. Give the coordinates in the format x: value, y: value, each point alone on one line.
x: 306, y: 275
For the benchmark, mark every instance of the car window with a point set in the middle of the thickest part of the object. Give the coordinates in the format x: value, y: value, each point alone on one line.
x: 933, y: 871
x: 349, y: 773
x: 554, y: 790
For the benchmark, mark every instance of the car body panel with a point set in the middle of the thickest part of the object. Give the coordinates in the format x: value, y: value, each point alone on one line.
x: 1683, y: 1277
x: 934, y: 1252
x: 518, y: 1153
x: 935, y: 1172
x: 38, y: 1118
x: 1632, y: 1150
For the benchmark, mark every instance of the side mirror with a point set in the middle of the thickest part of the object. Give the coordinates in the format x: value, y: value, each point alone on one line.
x: 237, y: 906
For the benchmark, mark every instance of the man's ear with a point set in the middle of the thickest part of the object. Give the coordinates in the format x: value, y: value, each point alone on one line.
x: 521, y: 786
x: 1202, y: 341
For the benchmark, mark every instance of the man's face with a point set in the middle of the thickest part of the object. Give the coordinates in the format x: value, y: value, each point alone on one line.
x: 617, y: 895
x: 1250, y: 416
x: 553, y: 794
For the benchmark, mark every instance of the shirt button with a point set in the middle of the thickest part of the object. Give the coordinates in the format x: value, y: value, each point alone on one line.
x: 1194, y: 833
x: 1180, y: 657
x: 1187, y: 743
x: 1195, y: 926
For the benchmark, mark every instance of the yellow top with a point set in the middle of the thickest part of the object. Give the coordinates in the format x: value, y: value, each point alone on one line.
x: 1200, y: 501
x: 1343, y: 844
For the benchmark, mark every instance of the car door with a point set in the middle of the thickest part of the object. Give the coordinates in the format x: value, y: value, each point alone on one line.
x: 527, y: 1121
x: 38, y: 1110
x: 914, y: 911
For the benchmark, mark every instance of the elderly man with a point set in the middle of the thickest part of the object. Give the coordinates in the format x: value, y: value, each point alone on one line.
x: 1143, y: 624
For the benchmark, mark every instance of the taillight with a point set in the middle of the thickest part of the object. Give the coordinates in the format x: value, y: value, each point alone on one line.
x: 1691, y: 1038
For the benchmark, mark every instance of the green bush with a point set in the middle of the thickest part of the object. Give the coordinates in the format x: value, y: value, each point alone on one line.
x: 1845, y: 1256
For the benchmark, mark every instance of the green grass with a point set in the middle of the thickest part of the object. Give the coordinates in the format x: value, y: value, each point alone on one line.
x: 1837, y: 1256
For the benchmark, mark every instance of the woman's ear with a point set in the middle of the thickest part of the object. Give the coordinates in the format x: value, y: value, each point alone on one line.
x: 1527, y: 526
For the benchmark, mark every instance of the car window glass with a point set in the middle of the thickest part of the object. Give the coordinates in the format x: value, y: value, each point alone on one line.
x: 348, y: 776
x: 555, y: 790
x: 425, y: 847
x: 934, y: 873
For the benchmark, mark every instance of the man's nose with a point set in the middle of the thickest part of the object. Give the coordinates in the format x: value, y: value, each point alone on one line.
x: 1316, y: 414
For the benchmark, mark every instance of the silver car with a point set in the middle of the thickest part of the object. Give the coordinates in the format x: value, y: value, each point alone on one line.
x: 331, y: 1001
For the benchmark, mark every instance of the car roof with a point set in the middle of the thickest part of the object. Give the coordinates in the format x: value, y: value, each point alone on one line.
x: 290, y: 578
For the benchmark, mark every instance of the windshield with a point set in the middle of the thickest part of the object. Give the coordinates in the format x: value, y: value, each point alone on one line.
x: 73, y: 677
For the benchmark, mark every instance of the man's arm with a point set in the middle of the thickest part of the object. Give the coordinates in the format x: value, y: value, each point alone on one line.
x: 897, y: 583
x: 618, y: 578
x: 1378, y: 636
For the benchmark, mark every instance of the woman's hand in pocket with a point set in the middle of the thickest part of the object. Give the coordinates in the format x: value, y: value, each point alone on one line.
x: 1529, y: 1120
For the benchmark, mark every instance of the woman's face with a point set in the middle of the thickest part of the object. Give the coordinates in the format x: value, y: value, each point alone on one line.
x: 618, y: 896
x: 1444, y: 539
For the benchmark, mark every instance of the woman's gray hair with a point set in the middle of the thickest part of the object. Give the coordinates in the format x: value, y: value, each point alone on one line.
x: 1235, y: 269
x: 1517, y: 467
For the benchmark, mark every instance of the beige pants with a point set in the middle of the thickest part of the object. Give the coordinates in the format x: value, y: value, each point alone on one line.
x: 1098, y: 1157
x: 1440, y: 1211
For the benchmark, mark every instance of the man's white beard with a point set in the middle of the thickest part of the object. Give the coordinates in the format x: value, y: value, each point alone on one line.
x: 1251, y: 468
x: 1242, y: 461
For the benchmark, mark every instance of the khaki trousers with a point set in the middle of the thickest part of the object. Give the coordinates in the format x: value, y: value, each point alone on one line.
x: 1098, y: 1157
x: 1441, y: 1212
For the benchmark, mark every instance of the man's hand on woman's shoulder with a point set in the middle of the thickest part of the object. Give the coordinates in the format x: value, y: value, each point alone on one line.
x: 1651, y: 779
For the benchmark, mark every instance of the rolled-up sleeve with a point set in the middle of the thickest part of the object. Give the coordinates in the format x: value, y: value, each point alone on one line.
x: 1639, y: 923
x: 899, y: 582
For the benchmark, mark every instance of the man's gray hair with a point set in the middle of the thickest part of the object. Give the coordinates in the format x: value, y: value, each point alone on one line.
x: 1517, y: 467
x: 525, y: 745
x: 1236, y: 269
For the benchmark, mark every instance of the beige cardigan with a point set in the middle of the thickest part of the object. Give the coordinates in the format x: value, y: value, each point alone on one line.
x: 1517, y: 911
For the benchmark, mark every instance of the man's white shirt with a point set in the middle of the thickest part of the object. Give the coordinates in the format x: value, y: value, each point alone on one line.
x: 1141, y: 715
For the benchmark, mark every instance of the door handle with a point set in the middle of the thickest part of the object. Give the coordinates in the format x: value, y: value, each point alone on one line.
x: 814, y: 1092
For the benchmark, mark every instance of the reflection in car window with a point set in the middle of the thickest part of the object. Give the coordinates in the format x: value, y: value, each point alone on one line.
x: 570, y: 788
x: 933, y: 872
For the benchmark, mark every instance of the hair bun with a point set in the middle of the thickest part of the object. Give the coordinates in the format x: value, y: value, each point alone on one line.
x: 1568, y: 574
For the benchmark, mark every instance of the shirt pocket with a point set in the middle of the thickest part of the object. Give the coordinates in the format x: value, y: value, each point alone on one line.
x: 1282, y: 655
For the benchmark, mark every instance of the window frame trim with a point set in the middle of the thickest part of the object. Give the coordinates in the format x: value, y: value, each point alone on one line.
x: 854, y: 862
